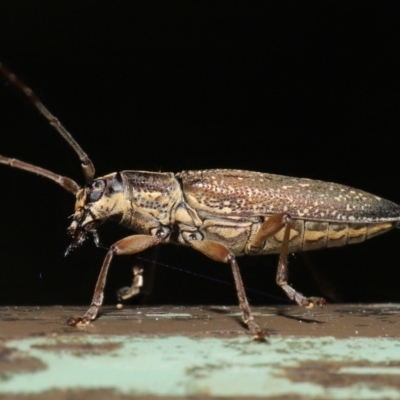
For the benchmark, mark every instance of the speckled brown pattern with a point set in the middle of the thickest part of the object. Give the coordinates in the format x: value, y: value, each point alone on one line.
x: 244, y: 193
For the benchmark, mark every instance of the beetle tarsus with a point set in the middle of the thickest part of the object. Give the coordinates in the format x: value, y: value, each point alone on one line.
x: 315, y: 301
x: 78, y: 322
x: 256, y: 331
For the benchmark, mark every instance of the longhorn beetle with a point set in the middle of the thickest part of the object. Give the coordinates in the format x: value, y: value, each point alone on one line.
x: 221, y: 213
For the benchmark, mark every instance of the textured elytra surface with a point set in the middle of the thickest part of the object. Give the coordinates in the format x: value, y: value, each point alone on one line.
x: 245, y: 193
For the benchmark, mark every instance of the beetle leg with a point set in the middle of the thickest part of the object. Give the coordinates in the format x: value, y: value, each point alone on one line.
x: 143, y: 279
x: 283, y: 273
x: 127, y: 292
x: 129, y: 245
x: 272, y: 225
x: 269, y: 228
x: 218, y: 252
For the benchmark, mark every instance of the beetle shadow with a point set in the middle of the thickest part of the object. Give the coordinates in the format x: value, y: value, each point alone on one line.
x: 278, y: 313
x: 306, y: 320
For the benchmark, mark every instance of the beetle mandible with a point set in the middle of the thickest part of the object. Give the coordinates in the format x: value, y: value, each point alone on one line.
x: 221, y: 213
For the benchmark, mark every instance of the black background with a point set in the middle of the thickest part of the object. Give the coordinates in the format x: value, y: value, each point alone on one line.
x: 306, y: 89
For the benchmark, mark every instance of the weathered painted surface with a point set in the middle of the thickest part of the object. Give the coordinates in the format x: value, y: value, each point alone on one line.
x: 178, y: 361
x: 362, y: 368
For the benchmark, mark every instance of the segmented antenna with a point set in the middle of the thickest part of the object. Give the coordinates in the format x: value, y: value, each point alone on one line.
x: 66, y: 183
x: 86, y: 163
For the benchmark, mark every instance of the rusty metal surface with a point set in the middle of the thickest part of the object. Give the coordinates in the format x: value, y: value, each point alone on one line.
x: 335, y: 352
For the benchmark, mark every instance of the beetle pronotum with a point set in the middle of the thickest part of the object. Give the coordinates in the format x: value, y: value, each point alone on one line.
x: 221, y: 213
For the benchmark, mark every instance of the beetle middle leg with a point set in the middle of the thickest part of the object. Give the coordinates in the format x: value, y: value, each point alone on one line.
x: 219, y: 252
x: 129, y: 245
x: 127, y: 292
x: 143, y: 279
x: 269, y: 228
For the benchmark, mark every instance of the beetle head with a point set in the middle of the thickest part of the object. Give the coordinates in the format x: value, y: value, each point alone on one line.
x: 95, y: 203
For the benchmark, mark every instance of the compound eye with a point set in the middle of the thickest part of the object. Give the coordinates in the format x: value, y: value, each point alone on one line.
x: 96, y: 190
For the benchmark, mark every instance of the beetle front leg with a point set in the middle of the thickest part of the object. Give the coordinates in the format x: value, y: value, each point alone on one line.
x: 129, y: 245
x: 218, y: 252
x: 269, y: 228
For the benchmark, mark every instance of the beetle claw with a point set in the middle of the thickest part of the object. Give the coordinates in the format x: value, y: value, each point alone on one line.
x: 315, y: 301
x: 78, y: 322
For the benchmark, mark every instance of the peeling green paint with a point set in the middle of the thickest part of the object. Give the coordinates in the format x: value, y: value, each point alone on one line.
x: 182, y: 366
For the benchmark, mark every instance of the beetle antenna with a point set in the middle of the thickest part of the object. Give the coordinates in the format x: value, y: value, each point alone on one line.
x: 67, y: 183
x: 87, y: 165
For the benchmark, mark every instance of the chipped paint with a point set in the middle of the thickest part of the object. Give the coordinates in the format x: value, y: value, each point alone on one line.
x: 182, y: 366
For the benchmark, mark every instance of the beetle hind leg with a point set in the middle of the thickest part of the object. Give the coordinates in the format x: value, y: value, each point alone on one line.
x: 283, y: 273
x: 269, y: 228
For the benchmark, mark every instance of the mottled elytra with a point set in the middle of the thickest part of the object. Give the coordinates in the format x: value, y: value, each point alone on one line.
x: 221, y: 213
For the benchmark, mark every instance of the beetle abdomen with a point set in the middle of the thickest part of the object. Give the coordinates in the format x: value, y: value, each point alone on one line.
x: 313, y: 235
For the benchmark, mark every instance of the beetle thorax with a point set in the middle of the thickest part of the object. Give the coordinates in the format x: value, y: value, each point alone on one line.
x: 153, y: 197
